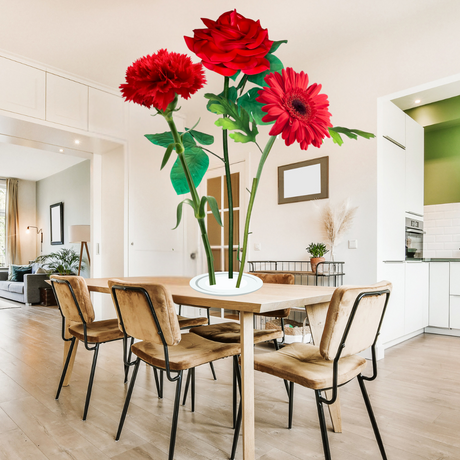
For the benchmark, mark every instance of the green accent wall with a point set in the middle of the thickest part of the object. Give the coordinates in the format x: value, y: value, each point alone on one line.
x: 442, y: 165
x: 441, y: 121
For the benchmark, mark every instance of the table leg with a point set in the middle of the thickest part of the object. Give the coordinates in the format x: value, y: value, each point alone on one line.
x: 247, y: 374
x: 72, y: 358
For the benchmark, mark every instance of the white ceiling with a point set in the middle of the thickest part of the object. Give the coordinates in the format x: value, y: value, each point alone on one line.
x: 32, y: 164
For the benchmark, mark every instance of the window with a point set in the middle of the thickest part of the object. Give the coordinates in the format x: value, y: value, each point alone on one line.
x: 2, y: 222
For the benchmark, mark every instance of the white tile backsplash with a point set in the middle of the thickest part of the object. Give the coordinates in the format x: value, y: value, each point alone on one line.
x: 442, y: 227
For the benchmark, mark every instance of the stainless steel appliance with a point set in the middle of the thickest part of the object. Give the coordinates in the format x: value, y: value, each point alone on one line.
x: 414, y: 238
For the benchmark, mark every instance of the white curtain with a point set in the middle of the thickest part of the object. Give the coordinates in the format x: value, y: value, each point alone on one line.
x: 12, y: 222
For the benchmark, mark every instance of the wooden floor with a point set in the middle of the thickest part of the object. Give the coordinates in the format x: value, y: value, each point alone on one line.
x: 416, y: 399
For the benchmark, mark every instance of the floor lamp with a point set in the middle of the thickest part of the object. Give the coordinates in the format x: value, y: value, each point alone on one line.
x: 38, y: 232
x: 80, y: 234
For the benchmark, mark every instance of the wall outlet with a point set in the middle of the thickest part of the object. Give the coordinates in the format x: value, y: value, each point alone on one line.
x: 257, y: 247
x: 352, y: 244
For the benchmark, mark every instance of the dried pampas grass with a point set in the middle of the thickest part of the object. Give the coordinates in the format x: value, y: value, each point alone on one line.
x: 337, y: 220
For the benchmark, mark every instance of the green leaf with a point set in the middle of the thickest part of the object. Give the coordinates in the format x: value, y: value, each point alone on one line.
x: 167, y: 155
x: 162, y: 139
x: 351, y: 133
x: 179, y: 210
x: 198, y: 163
x: 275, y: 66
x: 248, y: 102
x: 214, y: 208
x: 238, y: 119
x: 276, y: 45
x: 214, y: 99
x: 202, y: 138
x: 234, y: 77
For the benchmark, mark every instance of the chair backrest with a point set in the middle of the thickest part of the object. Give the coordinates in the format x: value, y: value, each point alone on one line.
x: 276, y: 278
x: 63, y: 287
x: 364, y: 325
x: 137, y: 304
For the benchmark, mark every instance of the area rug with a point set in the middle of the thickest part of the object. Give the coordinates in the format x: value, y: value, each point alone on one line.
x: 5, y: 304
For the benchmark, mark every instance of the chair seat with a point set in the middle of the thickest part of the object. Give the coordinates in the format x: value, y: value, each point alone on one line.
x: 98, y: 331
x: 191, y: 322
x: 190, y: 352
x: 230, y: 333
x: 303, y: 364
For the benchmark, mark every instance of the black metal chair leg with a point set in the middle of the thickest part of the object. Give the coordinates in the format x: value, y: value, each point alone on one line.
x: 193, y: 389
x: 66, y: 366
x: 291, y: 404
x: 127, y: 356
x: 372, y: 417
x: 158, y: 382
x: 91, y: 380
x: 236, y: 433
x: 187, y: 384
x: 128, y: 399
x: 211, y: 365
x: 172, y: 441
x: 322, y: 424
x: 234, y: 392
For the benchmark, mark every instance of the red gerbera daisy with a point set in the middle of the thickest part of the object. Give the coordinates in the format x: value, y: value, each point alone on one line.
x: 299, y: 111
x: 154, y: 81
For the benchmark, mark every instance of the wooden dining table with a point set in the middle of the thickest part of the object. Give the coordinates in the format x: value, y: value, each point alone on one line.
x: 268, y: 298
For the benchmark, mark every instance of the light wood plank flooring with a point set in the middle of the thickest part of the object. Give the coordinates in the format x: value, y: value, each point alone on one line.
x: 416, y: 399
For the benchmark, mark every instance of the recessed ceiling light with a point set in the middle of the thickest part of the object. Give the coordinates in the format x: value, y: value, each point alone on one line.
x: 417, y: 101
x: 61, y: 150
x: 77, y: 141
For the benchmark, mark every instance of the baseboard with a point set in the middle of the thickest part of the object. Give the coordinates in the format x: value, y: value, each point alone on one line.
x: 403, y: 338
x: 442, y: 331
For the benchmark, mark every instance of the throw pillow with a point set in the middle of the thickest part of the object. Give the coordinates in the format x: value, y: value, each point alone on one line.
x: 18, y: 272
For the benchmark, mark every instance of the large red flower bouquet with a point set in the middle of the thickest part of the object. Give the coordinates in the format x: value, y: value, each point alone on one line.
x: 257, y: 91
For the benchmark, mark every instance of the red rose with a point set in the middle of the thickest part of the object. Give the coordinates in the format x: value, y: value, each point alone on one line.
x: 231, y: 43
x: 154, y: 81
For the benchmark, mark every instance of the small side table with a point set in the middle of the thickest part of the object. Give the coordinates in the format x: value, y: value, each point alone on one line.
x: 47, y: 298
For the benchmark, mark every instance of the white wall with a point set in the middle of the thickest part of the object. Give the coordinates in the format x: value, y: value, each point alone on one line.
x: 72, y: 187
x: 29, y: 243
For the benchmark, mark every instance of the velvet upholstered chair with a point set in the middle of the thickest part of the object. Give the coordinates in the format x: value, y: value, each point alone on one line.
x: 78, y: 315
x: 146, y: 312
x: 352, y: 325
x: 229, y: 332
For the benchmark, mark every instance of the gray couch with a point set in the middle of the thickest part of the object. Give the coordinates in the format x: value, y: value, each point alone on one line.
x: 26, y: 292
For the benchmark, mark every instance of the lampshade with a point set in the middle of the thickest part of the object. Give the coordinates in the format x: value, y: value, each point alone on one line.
x: 79, y: 233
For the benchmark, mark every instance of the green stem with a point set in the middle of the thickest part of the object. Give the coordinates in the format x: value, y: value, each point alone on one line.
x: 180, y: 149
x: 228, y: 179
x: 255, y: 184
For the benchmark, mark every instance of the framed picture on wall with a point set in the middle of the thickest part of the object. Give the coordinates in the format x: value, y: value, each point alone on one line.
x: 303, y: 181
x: 57, y: 223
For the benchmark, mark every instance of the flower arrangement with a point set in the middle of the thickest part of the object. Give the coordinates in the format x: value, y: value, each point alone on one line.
x: 337, y: 220
x: 257, y: 91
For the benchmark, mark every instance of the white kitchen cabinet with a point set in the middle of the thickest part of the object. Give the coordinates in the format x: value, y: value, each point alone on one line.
x: 393, y: 323
x: 391, y: 203
x: 107, y: 113
x: 22, y: 89
x: 416, y: 296
x: 439, y: 294
x: 394, y: 123
x: 455, y: 311
x: 454, y: 278
x: 414, y: 167
x: 66, y: 102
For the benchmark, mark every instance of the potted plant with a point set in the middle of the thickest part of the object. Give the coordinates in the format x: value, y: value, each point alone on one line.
x: 64, y: 262
x: 317, y: 251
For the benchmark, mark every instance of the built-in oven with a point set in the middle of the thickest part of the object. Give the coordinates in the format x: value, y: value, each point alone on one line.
x: 414, y: 238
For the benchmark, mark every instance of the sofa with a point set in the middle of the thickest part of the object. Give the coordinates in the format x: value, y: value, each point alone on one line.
x: 27, y: 292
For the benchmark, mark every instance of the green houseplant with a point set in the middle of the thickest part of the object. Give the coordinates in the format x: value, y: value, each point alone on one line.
x: 64, y: 262
x: 317, y: 252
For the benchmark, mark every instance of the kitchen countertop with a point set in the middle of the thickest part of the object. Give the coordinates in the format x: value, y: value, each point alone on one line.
x: 433, y: 260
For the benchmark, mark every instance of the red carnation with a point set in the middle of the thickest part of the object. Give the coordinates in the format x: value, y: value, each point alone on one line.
x: 154, y: 81
x: 231, y: 43
x: 300, y: 112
